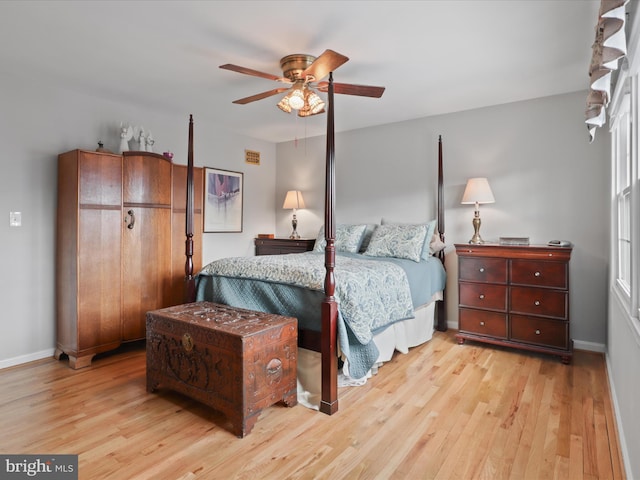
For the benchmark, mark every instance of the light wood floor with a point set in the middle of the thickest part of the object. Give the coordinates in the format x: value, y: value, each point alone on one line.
x: 442, y: 411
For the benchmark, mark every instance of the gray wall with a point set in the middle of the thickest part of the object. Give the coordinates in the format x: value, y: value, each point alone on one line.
x: 548, y: 181
x: 39, y: 121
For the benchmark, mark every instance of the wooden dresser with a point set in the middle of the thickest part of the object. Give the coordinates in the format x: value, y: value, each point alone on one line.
x: 277, y: 246
x: 515, y: 296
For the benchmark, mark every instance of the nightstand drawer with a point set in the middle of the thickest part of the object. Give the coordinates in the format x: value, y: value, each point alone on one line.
x: 483, y: 296
x: 539, y: 301
x: 280, y: 246
x: 537, y: 273
x: 483, y: 323
x: 489, y: 270
x: 540, y: 331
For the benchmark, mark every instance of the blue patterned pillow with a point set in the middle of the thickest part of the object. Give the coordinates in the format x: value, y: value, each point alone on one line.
x: 399, y: 241
x: 431, y: 229
x: 348, y: 238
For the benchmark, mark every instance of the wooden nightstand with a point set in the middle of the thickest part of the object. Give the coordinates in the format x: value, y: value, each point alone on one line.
x: 515, y: 296
x: 277, y: 246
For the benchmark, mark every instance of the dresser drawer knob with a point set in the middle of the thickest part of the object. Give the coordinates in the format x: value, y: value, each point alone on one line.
x: 482, y: 324
x: 537, y: 303
x: 538, y: 332
x: 481, y: 269
x: 537, y: 274
x: 482, y: 296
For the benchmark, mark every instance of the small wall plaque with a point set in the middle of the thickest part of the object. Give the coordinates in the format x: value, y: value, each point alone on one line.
x: 252, y: 157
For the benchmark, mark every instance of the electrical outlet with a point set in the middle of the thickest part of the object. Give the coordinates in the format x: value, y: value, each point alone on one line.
x: 15, y: 219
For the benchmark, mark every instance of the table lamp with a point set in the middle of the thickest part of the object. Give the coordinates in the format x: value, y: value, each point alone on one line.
x: 476, y: 192
x: 294, y: 201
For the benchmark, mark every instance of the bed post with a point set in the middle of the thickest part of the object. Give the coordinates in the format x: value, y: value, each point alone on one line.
x: 329, y: 400
x: 442, y: 321
x: 190, y: 291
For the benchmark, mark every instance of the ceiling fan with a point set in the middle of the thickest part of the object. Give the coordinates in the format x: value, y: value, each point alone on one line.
x: 303, y: 73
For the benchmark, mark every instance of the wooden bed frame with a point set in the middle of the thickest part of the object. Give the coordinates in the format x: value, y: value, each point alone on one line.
x: 326, y: 341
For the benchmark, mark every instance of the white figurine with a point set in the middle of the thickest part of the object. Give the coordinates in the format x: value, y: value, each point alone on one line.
x: 141, y: 140
x: 150, y: 141
x: 126, y: 134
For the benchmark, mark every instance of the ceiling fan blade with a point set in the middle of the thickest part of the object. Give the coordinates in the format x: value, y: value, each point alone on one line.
x: 255, y: 73
x: 350, y: 89
x: 325, y: 63
x: 260, y: 96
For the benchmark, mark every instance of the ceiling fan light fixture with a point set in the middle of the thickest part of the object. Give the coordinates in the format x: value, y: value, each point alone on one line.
x: 284, y: 104
x: 315, y: 103
x: 296, y: 98
x: 306, y: 112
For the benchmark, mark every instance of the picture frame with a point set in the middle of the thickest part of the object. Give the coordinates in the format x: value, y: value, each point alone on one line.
x: 223, y: 200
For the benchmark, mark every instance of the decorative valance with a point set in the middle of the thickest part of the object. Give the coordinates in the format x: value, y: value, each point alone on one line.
x: 610, y: 46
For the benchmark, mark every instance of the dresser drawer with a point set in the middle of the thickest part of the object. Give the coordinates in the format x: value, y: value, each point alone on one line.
x: 539, y: 301
x: 489, y: 270
x: 539, y: 273
x: 540, y: 331
x: 483, y: 323
x: 483, y: 296
x: 281, y: 246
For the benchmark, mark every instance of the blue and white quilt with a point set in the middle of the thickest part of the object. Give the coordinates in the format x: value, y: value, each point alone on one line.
x: 371, y: 294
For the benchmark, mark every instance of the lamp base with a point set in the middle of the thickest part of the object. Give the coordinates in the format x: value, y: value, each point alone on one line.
x: 476, y: 239
x: 294, y: 223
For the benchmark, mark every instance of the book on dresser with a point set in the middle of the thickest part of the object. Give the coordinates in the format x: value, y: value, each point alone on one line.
x: 515, y: 296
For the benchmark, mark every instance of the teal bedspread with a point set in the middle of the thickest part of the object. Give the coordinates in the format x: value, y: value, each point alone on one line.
x: 371, y: 293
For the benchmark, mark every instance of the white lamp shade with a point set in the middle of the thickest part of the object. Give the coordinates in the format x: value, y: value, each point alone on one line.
x: 293, y: 200
x: 477, y: 191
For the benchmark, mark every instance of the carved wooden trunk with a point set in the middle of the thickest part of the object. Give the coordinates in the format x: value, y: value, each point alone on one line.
x: 234, y: 360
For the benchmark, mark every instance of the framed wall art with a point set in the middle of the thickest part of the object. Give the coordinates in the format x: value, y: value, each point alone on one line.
x: 223, y: 192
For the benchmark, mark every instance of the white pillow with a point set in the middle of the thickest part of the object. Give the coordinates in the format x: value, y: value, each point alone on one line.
x: 436, y: 245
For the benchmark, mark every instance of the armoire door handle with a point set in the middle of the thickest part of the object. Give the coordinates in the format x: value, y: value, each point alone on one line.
x: 130, y: 219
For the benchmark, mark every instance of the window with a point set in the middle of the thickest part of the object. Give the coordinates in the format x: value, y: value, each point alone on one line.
x: 621, y: 144
x: 626, y: 205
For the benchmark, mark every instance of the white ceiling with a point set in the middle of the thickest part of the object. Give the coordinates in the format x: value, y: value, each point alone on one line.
x: 433, y: 56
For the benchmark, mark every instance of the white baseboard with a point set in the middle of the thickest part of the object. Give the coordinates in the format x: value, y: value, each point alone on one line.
x: 619, y: 424
x: 589, y: 346
x: 12, y: 362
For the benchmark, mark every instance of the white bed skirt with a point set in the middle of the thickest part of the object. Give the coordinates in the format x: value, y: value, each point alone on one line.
x: 401, y: 336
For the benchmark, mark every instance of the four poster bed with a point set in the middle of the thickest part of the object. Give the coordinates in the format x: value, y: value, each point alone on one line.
x: 361, y: 294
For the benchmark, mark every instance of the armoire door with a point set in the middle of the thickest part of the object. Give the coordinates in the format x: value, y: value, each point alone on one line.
x: 88, y: 253
x: 146, y: 245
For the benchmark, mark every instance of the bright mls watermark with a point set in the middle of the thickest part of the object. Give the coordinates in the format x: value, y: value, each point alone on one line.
x: 51, y: 467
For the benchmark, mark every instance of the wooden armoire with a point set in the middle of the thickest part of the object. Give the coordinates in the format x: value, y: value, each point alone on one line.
x: 120, y: 247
